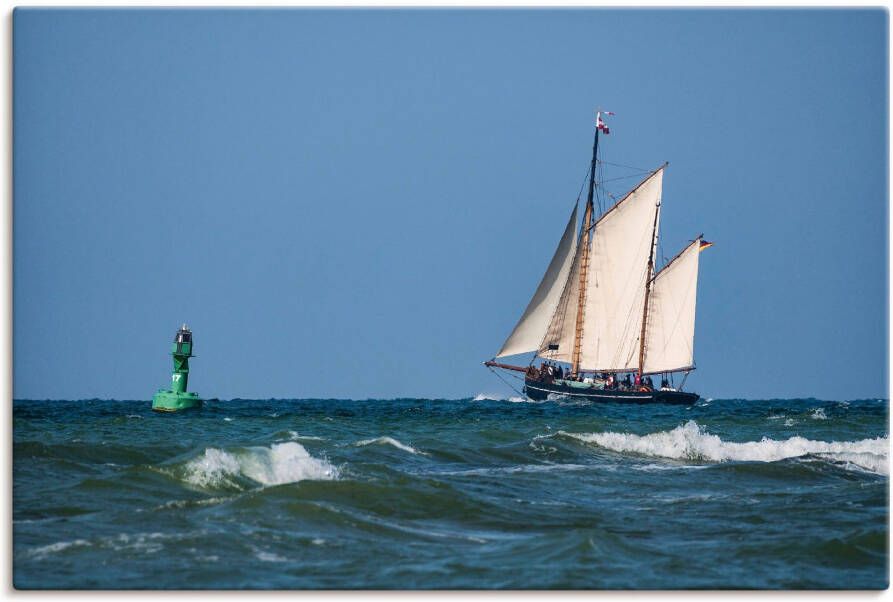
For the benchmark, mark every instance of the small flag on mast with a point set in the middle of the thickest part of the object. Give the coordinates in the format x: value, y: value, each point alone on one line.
x: 601, y: 125
x: 704, y: 245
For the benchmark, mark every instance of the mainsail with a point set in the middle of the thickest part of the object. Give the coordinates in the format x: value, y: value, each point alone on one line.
x: 669, y: 342
x: 528, y: 333
x: 623, y: 241
x: 615, y: 287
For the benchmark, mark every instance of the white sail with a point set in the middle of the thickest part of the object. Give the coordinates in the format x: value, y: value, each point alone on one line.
x: 624, y: 237
x: 529, y: 331
x: 558, y: 342
x: 670, y: 331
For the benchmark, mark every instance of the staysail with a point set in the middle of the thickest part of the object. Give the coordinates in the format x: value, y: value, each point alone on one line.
x: 529, y: 331
x: 624, y: 239
x: 669, y: 342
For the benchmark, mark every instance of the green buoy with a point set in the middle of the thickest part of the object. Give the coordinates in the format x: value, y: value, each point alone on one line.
x: 177, y: 398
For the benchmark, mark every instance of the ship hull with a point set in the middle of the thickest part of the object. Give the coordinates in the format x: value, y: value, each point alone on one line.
x: 540, y: 390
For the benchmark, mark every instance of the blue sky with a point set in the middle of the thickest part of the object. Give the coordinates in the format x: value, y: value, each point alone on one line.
x: 359, y: 203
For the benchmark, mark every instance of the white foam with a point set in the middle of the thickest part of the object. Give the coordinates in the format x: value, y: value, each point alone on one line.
x: 496, y: 397
x: 861, y: 460
x: 278, y: 464
x: 293, y: 435
x: 691, y: 442
x: 269, y: 556
x: 819, y: 414
x: 174, y: 504
x: 140, y: 542
x: 44, y: 551
x: 389, y: 441
x: 519, y: 468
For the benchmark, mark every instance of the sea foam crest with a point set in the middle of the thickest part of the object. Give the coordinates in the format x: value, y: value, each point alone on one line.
x: 278, y: 464
x: 389, y: 441
x: 495, y: 397
x: 691, y: 442
x: 819, y: 414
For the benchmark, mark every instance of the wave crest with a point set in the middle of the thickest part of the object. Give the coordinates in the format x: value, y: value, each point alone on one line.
x: 278, y: 464
x: 389, y: 441
x: 495, y: 397
x: 691, y: 442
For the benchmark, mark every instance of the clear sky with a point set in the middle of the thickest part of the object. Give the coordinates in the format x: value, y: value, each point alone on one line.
x: 359, y: 204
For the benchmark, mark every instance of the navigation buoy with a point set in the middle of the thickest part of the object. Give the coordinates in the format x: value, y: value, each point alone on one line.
x: 177, y: 398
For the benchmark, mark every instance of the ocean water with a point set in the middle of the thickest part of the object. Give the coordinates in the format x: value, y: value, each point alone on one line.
x: 472, y: 493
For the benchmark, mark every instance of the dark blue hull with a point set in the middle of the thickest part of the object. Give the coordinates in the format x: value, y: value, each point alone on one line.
x: 540, y: 389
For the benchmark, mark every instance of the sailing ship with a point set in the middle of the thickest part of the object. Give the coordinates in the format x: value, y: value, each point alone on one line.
x: 603, y: 321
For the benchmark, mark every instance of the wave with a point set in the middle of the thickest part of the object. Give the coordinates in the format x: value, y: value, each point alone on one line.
x: 389, y: 441
x: 42, y: 552
x: 819, y: 414
x: 296, y: 435
x: 495, y: 397
x: 148, y: 543
x: 691, y: 442
x: 278, y: 464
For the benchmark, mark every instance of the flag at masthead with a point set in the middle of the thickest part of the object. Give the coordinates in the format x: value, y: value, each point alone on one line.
x: 601, y: 125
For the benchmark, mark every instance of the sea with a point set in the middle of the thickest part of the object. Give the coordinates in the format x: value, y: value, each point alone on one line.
x: 489, y: 492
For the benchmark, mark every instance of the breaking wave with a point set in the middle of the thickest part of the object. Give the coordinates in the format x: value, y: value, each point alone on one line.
x: 41, y: 552
x: 297, y: 435
x: 819, y: 414
x: 494, y: 397
x: 389, y: 441
x: 278, y: 464
x: 691, y: 442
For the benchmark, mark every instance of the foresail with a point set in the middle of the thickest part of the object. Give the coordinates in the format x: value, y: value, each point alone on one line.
x: 529, y: 331
x: 670, y: 331
x: 622, y: 242
x: 558, y: 343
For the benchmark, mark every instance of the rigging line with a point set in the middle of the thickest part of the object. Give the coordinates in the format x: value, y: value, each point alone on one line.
x: 625, y: 166
x: 635, y: 175
x: 508, y: 384
x: 585, y: 177
x: 601, y: 183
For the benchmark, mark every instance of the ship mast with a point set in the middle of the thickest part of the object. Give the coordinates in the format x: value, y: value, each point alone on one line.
x: 648, y: 278
x: 584, y: 258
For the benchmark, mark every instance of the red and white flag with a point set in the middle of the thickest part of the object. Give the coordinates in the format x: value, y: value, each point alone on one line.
x: 601, y: 125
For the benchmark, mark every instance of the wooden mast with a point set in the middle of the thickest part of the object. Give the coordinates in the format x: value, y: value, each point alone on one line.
x: 648, y: 279
x: 584, y: 262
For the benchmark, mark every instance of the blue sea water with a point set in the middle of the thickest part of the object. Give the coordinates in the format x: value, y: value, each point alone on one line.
x: 472, y: 493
